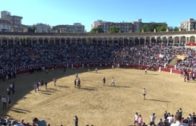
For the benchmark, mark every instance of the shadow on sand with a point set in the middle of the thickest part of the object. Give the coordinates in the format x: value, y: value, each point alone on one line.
x: 152, y: 74
x: 18, y: 110
x: 118, y: 86
x: 88, y: 88
x: 157, y: 100
x: 28, y: 79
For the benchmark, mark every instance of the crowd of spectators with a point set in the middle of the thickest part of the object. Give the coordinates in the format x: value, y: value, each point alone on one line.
x: 189, y: 62
x: 168, y: 119
x: 29, y: 57
x: 15, y: 58
x: 8, y: 121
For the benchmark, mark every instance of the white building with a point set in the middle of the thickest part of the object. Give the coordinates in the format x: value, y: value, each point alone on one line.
x: 75, y: 28
x: 189, y: 25
x: 42, y: 28
x: 105, y: 26
x: 5, y: 26
x: 16, y: 21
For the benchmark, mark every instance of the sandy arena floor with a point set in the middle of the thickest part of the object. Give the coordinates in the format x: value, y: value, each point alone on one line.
x: 97, y: 104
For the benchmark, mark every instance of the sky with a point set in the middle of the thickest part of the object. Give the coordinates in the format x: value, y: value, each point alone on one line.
x: 55, y: 12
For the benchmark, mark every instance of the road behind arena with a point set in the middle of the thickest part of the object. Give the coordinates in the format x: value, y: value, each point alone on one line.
x: 97, y: 104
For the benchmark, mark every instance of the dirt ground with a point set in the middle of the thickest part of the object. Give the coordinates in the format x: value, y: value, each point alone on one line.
x: 97, y: 104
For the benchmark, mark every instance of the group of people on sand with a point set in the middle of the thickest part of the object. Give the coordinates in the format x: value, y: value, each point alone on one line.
x: 113, y: 82
x: 37, y: 85
x: 188, y: 75
x: 77, y: 81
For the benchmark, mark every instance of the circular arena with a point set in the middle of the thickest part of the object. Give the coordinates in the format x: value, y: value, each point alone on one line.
x: 39, y: 77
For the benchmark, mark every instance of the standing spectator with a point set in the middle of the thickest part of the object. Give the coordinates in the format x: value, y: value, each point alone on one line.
x: 145, y: 70
x: 136, y: 118
x: 165, y: 115
x: 8, y: 101
x: 178, y: 119
x: 140, y: 120
x: 8, y: 91
x: 35, y: 87
x: 46, y: 85
x: 104, y: 80
x: 170, y: 118
x: 161, y: 123
x: 38, y: 122
x: 75, y: 120
x: 79, y: 83
x: 113, y: 82
x: 4, y: 102
x: 152, y: 119
x: 54, y: 80
x: 180, y: 112
x: 96, y: 70
x: 144, y: 93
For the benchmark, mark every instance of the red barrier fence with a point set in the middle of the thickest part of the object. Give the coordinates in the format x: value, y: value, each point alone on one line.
x: 134, y: 66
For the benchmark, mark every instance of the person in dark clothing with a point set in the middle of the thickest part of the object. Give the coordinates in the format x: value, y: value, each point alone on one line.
x: 75, y: 83
x: 46, y: 85
x: 165, y: 115
x: 79, y: 82
x: 104, y: 80
x: 8, y: 91
x: 161, y: 123
x: 75, y: 120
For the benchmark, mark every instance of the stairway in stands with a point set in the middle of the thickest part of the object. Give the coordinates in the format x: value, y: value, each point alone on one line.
x: 174, y: 61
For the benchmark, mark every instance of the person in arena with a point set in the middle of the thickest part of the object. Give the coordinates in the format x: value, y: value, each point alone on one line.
x: 145, y: 70
x: 178, y: 119
x: 46, y: 85
x: 113, y: 83
x: 55, y: 81
x: 161, y: 123
x: 144, y: 93
x: 75, y: 82
x: 140, y: 120
x: 136, y: 118
x: 79, y: 83
x: 152, y: 119
x: 76, y: 120
x: 96, y: 70
x: 104, y: 80
x: 4, y: 102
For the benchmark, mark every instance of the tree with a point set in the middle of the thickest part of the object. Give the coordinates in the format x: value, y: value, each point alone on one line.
x: 31, y: 29
x: 176, y: 29
x: 97, y: 30
x: 149, y: 27
x: 114, y: 29
x: 161, y: 28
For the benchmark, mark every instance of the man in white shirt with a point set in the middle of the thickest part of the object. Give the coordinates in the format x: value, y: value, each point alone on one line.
x: 136, y: 118
x: 170, y: 118
x: 178, y: 119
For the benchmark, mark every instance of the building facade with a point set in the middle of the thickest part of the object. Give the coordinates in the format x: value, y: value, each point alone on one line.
x: 105, y: 26
x: 16, y: 21
x: 42, y: 28
x: 75, y: 28
x: 5, y: 26
x: 126, y: 27
x: 189, y: 25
